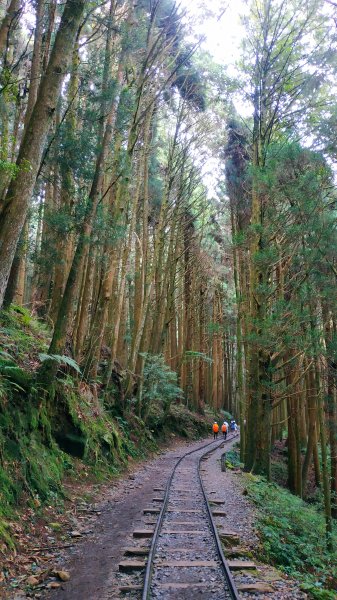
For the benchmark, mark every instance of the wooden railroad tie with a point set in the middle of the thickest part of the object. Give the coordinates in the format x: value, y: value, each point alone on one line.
x: 264, y: 588
x: 185, y: 523
x: 219, y: 513
x: 181, y: 549
x: 127, y: 566
x: 143, y: 533
x: 238, y: 565
x: 124, y: 589
x: 140, y: 551
x: 229, y: 536
x: 183, y: 532
x: 185, y: 510
x: 188, y: 563
x: 236, y: 551
x: 151, y: 511
x: 182, y: 586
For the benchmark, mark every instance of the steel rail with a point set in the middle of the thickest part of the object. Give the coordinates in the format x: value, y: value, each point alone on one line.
x: 149, y: 564
x: 228, y: 575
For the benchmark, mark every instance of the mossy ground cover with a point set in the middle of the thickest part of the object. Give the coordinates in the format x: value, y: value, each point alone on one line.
x: 292, y: 532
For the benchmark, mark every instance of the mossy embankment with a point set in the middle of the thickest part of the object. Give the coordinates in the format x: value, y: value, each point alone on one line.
x: 44, y: 437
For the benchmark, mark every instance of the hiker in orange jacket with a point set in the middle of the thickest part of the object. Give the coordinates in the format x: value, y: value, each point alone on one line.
x: 215, y: 430
x: 224, y: 429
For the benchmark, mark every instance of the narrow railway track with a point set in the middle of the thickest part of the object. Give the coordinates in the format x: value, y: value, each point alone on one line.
x: 185, y: 559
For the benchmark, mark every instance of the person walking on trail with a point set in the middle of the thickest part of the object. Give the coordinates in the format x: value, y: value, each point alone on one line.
x: 215, y: 430
x: 224, y: 428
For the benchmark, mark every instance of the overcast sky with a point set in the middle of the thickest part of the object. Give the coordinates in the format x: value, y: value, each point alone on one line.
x: 219, y: 21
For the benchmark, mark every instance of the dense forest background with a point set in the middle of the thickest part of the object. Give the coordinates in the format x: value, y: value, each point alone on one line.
x: 158, y: 247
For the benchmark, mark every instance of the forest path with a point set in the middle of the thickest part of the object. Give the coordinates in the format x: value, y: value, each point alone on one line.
x: 93, y: 564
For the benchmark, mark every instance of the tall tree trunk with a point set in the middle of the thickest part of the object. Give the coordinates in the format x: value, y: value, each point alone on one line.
x: 259, y: 402
x: 21, y: 252
x: 322, y: 425
x: 325, y: 467
x: 36, y: 61
x: 21, y: 187
x: 331, y: 369
x: 11, y: 13
x: 66, y: 196
x: 312, y: 418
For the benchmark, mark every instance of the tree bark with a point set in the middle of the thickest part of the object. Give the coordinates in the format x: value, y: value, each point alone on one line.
x: 331, y: 400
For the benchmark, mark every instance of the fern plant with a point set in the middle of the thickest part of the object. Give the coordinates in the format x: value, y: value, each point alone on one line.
x: 60, y: 360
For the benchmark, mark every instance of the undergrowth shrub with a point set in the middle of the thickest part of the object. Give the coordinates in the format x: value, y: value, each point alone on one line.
x: 159, y: 388
x: 21, y: 336
x: 232, y: 459
x: 292, y: 537
x: 185, y: 423
x: 80, y: 414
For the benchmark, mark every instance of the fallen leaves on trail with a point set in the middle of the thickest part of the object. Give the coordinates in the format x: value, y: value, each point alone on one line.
x: 53, y: 585
x: 63, y: 575
x: 31, y: 580
x: 75, y: 534
x: 41, y: 534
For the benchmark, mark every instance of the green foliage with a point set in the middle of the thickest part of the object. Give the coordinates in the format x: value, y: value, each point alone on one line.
x: 232, y: 459
x: 25, y: 318
x: 12, y: 376
x: 189, y: 83
x: 315, y: 591
x: 293, y: 538
x: 21, y: 336
x: 192, y: 354
x: 9, y: 168
x: 5, y: 535
x: 185, y: 423
x: 80, y: 419
x: 61, y: 360
x: 28, y: 465
x: 159, y: 388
